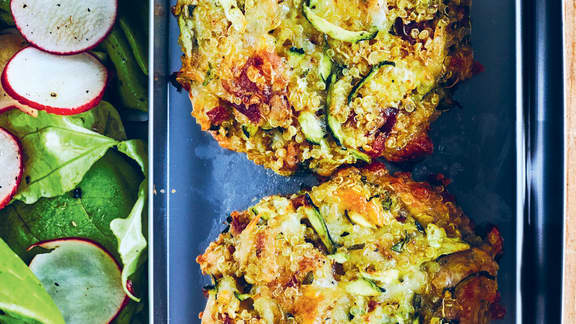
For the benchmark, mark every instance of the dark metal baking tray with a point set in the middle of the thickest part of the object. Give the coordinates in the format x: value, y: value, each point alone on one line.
x: 503, y: 150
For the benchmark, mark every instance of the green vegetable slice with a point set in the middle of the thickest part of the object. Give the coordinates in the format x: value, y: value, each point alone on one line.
x: 335, y: 128
x: 336, y: 99
x: 325, y: 67
x: 363, y: 287
x: 373, y: 71
x: 22, y: 297
x: 335, y: 31
x: 319, y: 224
x: 312, y: 127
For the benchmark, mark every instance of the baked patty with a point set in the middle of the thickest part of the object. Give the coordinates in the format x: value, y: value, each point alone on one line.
x: 363, y: 247
x: 322, y: 83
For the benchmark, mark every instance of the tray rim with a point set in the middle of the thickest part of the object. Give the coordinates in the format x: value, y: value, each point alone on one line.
x: 158, y: 158
x: 543, y: 212
x: 520, y: 157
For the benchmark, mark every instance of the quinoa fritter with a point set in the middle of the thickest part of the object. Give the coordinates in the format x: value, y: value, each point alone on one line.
x: 322, y: 83
x: 363, y: 247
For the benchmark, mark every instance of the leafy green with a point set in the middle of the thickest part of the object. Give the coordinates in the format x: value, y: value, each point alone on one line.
x: 5, y: 15
x: 5, y: 5
x: 107, y: 192
x: 136, y: 44
x: 6, y: 19
x: 133, y: 20
x: 103, y: 119
x: 75, y: 184
x: 132, y: 83
x: 128, y: 231
x: 22, y: 297
x: 59, y: 150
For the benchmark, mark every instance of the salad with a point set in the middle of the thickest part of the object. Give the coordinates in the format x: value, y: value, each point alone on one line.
x: 73, y: 176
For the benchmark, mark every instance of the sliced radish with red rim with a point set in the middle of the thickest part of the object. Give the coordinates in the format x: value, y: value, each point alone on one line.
x: 64, y: 26
x: 63, y: 85
x: 83, y: 279
x: 11, y: 166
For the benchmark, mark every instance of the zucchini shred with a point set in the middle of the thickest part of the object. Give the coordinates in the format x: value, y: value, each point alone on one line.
x: 408, y: 255
x: 254, y: 68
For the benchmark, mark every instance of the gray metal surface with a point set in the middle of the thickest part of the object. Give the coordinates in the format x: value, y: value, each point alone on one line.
x: 474, y: 146
x: 158, y: 150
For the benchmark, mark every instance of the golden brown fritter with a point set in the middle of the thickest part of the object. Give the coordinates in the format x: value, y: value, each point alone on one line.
x: 322, y: 83
x: 363, y: 247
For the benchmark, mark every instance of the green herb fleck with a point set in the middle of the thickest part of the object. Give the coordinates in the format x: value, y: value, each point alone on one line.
x: 399, y: 247
x: 209, y: 76
x: 387, y: 204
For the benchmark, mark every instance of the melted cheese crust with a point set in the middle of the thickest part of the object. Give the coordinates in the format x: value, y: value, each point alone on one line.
x: 253, y: 67
x: 413, y: 259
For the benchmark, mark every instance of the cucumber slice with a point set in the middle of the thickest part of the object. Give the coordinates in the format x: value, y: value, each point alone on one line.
x: 363, y: 287
x: 367, y: 78
x: 336, y: 98
x: 312, y: 127
x: 335, y: 128
x: 325, y: 67
x: 319, y: 224
x: 334, y: 31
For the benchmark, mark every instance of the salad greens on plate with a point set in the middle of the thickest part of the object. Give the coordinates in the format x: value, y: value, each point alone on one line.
x: 83, y: 176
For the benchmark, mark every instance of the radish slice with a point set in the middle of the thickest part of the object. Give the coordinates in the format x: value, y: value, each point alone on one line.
x: 11, y: 170
x: 10, y: 43
x: 83, y: 279
x: 64, y: 26
x: 62, y: 85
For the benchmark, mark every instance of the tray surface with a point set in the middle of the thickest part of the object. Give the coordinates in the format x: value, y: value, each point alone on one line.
x: 474, y: 146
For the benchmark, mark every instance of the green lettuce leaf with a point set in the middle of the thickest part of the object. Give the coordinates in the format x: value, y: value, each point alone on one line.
x: 59, y: 153
x: 128, y: 231
x: 107, y: 192
x: 59, y: 150
x: 22, y: 297
x: 104, y: 119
